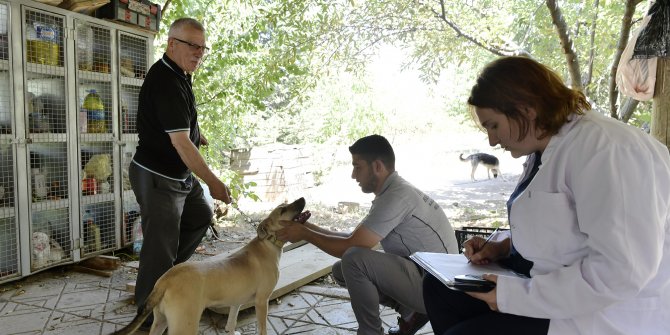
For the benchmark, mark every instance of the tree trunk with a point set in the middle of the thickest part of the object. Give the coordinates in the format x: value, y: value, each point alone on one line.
x: 660, y: 113
x: 626, y: 23
x: 627, y: 109
x: 566, y: 42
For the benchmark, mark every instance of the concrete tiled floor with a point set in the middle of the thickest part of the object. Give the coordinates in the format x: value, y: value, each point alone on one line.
x: 67, y: 302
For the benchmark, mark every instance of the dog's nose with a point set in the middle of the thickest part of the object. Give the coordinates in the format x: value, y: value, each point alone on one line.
x: 300, y: 202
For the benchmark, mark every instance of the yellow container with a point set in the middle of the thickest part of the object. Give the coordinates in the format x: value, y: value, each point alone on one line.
x: 43, y: 52
x: 95, y: 111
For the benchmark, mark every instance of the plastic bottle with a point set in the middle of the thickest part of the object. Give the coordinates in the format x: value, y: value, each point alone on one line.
x: 95, y: 111
x: 39, y: 184
x: 42, y: 46
x: 137, y: 236
x: 85, y: 47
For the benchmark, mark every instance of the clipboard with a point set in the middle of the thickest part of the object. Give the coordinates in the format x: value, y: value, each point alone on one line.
x: 446, y: 266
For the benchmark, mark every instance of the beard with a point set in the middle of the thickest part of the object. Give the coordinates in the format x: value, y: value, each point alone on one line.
x: 370, y: 185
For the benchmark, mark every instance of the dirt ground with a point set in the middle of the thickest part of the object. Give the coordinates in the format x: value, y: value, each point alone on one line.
x: 337, y: 203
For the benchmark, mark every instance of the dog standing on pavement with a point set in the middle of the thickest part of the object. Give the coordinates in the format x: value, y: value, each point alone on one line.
x: 491, y: 163
x: 250, y: 274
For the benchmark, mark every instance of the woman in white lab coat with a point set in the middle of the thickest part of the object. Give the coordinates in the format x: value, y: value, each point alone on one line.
x: 588, y: 219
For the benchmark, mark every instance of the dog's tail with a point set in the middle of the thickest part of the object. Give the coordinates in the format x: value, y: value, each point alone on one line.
x: 135, y: 324
x: 463, y: 159
x: 152, y: 301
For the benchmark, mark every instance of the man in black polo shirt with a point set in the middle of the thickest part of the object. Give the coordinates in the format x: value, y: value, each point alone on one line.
x: 175, y: 213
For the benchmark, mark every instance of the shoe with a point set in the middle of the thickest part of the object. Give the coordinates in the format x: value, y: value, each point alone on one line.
x: 146, y: 325
x: 410, y: 327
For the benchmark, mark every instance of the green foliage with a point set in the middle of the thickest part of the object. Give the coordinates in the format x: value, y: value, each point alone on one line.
x: 339, y: 110
x: 471, y: 33
x: 642, y: 115
x: 296, y: 71
x: 497, y: 224
x: 238, y: 188
x: 259, y: 64
x: 253, y: 70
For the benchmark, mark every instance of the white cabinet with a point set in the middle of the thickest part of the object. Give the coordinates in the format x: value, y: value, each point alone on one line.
x: 69, y: 86
x: 9, y: 247
x: 133, y: 66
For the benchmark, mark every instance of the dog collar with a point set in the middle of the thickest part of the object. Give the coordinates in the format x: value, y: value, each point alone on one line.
x: 273, y: 238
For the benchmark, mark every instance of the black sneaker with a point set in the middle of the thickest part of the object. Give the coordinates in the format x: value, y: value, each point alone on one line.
x: 416, y: 322
x: 146, y: 325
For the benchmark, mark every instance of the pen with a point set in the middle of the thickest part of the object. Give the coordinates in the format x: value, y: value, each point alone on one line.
x: 487, y: 241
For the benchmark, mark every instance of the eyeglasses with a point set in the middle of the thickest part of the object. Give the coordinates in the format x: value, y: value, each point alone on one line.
x: 193, y: 46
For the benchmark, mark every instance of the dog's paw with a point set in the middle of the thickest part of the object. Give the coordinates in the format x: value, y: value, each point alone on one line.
x: 303, y: 217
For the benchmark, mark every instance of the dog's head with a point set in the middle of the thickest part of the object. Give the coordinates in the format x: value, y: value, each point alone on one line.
x: 284, y: 212
x: 495, y: 172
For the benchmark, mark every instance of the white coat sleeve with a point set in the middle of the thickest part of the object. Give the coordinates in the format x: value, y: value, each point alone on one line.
x: 620, y: 205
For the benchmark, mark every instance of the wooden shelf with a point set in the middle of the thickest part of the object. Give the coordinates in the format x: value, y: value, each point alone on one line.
x: 131, y: 81
x: 36, y: 71
x: 97, y: 198
x: 96, y: 137
x: 50, y: 204
x: 94, y: 76
x: 7, y: 212
x: 48, y: 137
x: 129, y: 138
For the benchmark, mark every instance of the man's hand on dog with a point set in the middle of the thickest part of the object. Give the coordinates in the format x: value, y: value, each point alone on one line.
x: 293, y: 230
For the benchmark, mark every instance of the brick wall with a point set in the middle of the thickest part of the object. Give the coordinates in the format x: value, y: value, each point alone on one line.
x: 281, y: 172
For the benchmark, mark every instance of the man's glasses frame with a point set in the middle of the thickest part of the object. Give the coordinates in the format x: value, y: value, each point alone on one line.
x: 193, y: 46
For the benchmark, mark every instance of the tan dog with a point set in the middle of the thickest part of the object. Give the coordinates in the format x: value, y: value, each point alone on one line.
x: 182, y: 293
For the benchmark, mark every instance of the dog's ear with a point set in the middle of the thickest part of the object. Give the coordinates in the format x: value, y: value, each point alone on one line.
x: 262, y: 228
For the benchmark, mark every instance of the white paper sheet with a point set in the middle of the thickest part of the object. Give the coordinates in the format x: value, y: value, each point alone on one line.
x: 445, y: 266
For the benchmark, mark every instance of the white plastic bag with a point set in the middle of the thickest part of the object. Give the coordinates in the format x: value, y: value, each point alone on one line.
x: 636, y: 77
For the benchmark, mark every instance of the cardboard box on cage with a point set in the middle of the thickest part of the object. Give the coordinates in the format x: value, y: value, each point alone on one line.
x: 142, y: 13
x: 87, y: 7
x: 50, y: 2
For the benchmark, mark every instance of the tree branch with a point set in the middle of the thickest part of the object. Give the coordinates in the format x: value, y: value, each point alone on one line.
x: 564, y: 36
x: 626, y: 23
x: 442, y: 15
x: 627, y: 108
x: 165, y: 7
x: 592, y: 47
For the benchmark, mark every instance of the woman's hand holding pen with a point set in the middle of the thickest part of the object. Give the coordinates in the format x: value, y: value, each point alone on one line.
x: 478, y: 251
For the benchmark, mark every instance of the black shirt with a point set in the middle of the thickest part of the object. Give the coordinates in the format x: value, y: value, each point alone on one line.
x: 166, y: 104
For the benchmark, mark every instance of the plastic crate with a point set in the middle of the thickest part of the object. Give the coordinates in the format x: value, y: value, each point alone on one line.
x: 464, y: 233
